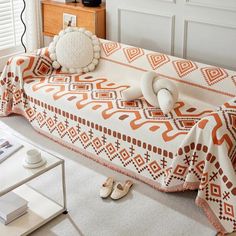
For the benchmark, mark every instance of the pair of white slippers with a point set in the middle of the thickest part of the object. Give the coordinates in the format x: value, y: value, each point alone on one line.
x: 115, y: 191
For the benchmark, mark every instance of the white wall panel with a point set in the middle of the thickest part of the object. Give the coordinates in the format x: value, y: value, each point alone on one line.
x: 202, y: 30
x: 158, y: 37
x: 213, y: 43
x: 220, y: 4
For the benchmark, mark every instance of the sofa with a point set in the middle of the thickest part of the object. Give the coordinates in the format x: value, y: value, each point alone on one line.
x: 191, y: 148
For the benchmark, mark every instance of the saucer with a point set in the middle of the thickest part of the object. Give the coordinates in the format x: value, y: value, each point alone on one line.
x: 34, y: 165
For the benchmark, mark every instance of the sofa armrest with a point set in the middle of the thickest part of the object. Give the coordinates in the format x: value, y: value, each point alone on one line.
x: 28, y: 65
x: 17, y: 70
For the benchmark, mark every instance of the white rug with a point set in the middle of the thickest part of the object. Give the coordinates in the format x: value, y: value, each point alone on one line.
x: 144, y: 212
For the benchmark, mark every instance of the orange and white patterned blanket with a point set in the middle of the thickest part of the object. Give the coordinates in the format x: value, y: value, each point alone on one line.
x: 193, y: 147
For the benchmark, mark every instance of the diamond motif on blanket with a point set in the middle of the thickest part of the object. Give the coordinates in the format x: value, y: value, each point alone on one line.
x: 17, y: 96
x: 214, y: 75
x: 61, y: 128
x: 124, y: 154
x: 180, y: 170
x: 133, y: 54
x: 139, y: 160
x: 200, y: 166
x: 215, y: 190
x: 72, y: 132
x: 84, y: 137
x: 40, y: 119
x: 97, y: 143
x: 228, y: 209
x: 157, y: 60
x: 42, y: 67
x: 184, y: 67
x: 30, y: 113
x: 50, y: 123
x: 154, y: 167
x: 110, y: 48
x: 110, y: 148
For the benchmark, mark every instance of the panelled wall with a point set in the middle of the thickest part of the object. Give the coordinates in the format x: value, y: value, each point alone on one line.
x: 200, y: 30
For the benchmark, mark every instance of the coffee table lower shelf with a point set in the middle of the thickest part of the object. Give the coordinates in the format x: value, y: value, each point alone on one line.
x: 41, y: 210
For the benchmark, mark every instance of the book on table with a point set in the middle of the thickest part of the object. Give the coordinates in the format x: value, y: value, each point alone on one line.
x: 8, y: 146
x: 12, y: 206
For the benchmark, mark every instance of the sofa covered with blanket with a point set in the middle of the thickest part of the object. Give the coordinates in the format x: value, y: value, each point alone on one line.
x: 192, y: 147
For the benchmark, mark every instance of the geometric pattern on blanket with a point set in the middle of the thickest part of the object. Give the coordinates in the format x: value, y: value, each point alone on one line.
x: 197, y: 148
x: 185, y: 71
x: 216, y: 185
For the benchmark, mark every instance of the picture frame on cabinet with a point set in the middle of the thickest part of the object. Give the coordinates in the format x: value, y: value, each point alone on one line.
x: 69, y: 20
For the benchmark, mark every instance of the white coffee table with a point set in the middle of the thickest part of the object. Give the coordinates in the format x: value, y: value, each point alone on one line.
x: 14, y: 177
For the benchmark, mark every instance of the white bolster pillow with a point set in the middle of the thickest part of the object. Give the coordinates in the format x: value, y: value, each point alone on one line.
x: 166, y: 100
x: 166, y: 84
x: 148, y: 89
x: 161, y: 93
x: 132, y: 93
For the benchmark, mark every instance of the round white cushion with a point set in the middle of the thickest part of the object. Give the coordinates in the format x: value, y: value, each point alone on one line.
x: 75, y: 50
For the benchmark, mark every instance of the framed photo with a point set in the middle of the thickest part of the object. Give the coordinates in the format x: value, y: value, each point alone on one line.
x: 69, y: 20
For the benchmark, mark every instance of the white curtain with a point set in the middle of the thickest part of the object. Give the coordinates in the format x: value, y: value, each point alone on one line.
x: 33, y: 20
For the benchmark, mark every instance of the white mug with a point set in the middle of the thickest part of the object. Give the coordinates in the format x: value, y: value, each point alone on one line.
x: 33, y: 156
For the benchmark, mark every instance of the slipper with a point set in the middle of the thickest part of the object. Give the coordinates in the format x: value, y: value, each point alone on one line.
x: 107, y: 187
x: 121, y: 190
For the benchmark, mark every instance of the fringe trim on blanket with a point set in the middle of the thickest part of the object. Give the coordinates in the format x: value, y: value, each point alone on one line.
x: 210, y: 215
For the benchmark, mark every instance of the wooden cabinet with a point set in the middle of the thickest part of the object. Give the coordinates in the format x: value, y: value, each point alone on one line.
x: 91, y: 18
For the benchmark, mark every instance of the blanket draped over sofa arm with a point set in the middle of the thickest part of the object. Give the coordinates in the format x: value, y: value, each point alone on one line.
x: 17, y: 70
x: 205, y: 159
x: 208, y: 156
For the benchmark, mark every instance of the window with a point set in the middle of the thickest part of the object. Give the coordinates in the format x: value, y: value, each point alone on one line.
x: 11, y: 29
